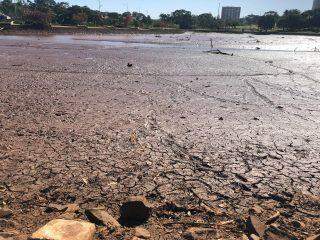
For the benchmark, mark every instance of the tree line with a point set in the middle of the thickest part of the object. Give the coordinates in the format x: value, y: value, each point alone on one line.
x: 44, y: 13
x: 291, y: 20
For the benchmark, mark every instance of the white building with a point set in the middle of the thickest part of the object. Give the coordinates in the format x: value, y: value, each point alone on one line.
x: 316, y: 4
x: 230, y: 13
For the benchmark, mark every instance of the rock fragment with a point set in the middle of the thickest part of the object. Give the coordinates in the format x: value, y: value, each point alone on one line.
x: 135, y: 211
x: 55, y: 208
x: 254, y: 237
x: 134, y: 238
x: 2, y: 238
x: 244, y: 237
x: 274, y: 236
x: 60, y: 229
x: 256, y: 209
x: 8, y: 235
x: 255, y: 226
x: 298, y: 224
x: 273, y: 218
x: 195, y: 233
x: 102, y: 217
x: 142, y: 233
x: 314, y: 237
x: 72, y: 208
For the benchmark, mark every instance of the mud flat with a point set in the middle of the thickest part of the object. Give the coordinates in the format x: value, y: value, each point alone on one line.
x: 221, y: 146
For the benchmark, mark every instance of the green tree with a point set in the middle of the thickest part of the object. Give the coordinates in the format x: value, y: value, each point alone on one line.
x: 206, y: 20
x: 292, y: 20
x: 183, y: 18
x: 252, y: 19
x: 268, y: 21
x: 114, y: 19
x: 60, y: 12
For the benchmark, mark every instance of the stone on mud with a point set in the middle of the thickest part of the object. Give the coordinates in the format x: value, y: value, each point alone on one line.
x: 255, y: 226
x: 60, y: 229
x: 195, y: 233
x: 101, y: 217
x: 142, y: 233
x: 135, y: 211
x: 55, y: 208
x: 315, y: 237
x: 5, y: 213
x: 274, y: 218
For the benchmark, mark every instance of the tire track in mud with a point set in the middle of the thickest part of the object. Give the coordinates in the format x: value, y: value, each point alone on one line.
x: 258, y: 94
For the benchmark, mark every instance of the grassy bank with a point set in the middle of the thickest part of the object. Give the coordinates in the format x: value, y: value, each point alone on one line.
x: 20, y: 30
x: 17, y: 29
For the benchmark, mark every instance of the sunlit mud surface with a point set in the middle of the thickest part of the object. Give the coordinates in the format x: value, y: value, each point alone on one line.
x: 181, y: 125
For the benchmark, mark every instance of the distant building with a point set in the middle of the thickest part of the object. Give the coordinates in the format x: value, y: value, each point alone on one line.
x: 230, y: 13
x: 316, y: 4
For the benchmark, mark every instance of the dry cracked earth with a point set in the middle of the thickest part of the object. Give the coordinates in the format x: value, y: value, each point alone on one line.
x: 206, y: 138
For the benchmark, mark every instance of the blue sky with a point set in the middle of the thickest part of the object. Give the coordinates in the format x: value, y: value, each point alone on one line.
x: 155, y: 7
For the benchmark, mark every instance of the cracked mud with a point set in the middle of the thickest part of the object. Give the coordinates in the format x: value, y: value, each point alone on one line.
x: 202, y: 131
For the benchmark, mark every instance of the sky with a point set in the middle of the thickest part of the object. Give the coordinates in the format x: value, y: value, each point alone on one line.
x: 155, y: 7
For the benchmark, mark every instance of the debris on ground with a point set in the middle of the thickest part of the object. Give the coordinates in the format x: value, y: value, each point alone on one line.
x: 217, y: 51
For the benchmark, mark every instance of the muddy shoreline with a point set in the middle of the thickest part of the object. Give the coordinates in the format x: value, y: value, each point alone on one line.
x: 221, y: 146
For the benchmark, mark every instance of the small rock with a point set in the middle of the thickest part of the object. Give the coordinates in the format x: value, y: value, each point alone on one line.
x: 273, y: 218
x: 278, y: 232
x: 274, y: 236
x: 55, y: 208
x: 101, y: 217
x: 72, y: 208
x: 256, y: 209
x: 255, y: 226
x: 60, y: 229
x: 213, y: 210
x: 7, y: 235
x: 142, y: 233
x: 5, y: 213
x: 134, y: 238
x: 135, y: 211
x: 2, y: 238
x: 244, y: 237
x: 129, y: 65
x: 254, y: 237
x: 220, y: 118
x: 314, y: 237
x: 194, y: 233
x: 68, y: 216
x: 256, y: 119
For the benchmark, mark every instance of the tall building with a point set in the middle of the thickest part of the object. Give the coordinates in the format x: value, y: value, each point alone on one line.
x: 230, y: 13
x: 316, y: 4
